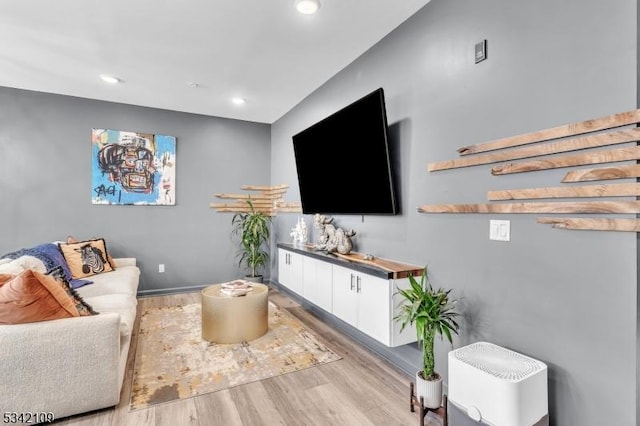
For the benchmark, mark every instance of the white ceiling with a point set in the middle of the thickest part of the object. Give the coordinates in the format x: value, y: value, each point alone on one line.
x: 261, y: 50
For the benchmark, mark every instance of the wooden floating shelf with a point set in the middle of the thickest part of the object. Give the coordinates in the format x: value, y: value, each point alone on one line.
x: 256, y: 203
x: 594, y: 141
x: 263, y: 187
x: 279, y: 205
x: 598, y: 157
x: 267, y: 191
x: 605, y: 173
x: 617, y: 207
x: 268, y: 200
x: 571, y: 137
x: 253, y: 197
x: 574, y: 129
x: 612, y: 190
x: 269, y: 211
x: 628, y: 225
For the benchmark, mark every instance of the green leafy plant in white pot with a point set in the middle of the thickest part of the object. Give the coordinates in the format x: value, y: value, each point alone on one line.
x: 432, y: 311
x: 252, y: 229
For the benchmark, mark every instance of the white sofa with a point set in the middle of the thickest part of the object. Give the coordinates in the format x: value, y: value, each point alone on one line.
x: 72, y: 365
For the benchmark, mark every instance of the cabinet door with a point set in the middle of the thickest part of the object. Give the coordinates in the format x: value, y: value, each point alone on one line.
x: 374, y: 306
x: 408, y: 335
x: 324, y: 286
x: 290, y: 270
x: 283, y: 267
x: 317, y: 282
x: 310, y: 279
x: 344, y: 297
x: 295, y: 270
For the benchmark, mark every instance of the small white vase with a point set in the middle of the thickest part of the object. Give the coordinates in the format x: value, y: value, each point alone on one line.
x: 430, y: 390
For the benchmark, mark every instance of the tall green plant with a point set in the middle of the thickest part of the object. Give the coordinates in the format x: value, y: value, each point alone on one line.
x: 252, y: 229
x: 432, y: 312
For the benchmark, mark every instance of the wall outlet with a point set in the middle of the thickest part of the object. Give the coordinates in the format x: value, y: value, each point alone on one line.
x: 161, y: 268
x: 500, y: 230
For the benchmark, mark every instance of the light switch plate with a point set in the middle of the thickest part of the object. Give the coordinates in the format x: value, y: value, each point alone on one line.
x: 500, y: 230
x: 481, y: 51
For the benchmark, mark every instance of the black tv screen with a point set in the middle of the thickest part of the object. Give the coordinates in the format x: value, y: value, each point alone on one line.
x: 343, y: 161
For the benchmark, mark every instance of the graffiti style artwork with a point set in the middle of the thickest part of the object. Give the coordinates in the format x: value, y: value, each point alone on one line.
x: 133, y: 168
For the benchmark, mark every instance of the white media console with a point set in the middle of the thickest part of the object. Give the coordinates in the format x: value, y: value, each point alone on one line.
x: 358, y: 291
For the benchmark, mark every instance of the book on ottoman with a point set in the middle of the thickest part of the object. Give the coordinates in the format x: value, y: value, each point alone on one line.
x: 235, y: 288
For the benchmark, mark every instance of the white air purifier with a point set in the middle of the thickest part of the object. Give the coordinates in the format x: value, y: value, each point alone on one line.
x: 497, y: 386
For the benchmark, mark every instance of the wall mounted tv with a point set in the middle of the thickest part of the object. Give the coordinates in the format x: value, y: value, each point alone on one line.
x: 343, y: 161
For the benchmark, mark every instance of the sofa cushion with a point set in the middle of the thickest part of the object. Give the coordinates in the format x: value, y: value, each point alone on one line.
x: 86, y: 258
x: 122, y: 304
x: 32, y: 296
x: 123, y: 280
x: 119, y: 262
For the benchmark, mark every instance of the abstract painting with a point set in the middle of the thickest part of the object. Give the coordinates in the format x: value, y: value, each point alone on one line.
x: 133, y: 168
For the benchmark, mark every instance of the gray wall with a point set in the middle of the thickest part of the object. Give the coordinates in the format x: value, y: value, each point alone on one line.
x: 45, y: 184
x: 567, y: 298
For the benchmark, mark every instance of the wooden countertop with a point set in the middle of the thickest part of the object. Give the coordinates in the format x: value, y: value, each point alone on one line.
x: 378, y: 266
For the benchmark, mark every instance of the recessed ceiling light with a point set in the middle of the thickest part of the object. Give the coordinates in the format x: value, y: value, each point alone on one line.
x: 307, y: 7
x: 238, y: 100
x: 110, y: 79
x: 192, y: 84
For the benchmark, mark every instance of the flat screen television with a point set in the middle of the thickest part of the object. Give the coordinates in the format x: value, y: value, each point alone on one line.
x: 343, y: 161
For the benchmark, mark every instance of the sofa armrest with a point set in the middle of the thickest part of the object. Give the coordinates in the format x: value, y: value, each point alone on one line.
x: 124, y: 261
x: 63, y: 366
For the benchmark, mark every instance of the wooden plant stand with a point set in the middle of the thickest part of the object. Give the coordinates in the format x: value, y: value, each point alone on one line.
x: 414, y: 402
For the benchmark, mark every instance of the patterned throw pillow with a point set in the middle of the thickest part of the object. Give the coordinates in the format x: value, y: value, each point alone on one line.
x: 32, y: 297
x: 71, y: 239
x: 86, y: 258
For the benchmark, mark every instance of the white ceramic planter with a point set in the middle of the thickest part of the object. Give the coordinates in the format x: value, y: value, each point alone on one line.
x: 430, y: 390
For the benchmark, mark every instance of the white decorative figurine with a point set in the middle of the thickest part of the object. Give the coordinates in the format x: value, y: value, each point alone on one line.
x: 299, y: 232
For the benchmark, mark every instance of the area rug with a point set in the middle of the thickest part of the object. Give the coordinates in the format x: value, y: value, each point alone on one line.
x: 173, y: 361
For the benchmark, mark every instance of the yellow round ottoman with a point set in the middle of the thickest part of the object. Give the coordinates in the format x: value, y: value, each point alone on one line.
x: 227, y: 319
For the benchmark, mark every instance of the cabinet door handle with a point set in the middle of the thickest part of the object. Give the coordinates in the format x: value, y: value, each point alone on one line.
x: 352, y: 282
x: 358, y: 286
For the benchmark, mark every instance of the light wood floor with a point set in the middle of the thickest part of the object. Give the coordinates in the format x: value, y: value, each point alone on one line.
x: 360, y: 389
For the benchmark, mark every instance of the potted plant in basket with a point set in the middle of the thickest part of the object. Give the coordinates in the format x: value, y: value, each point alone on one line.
x: 433, y: 313
x: 252, y: 229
